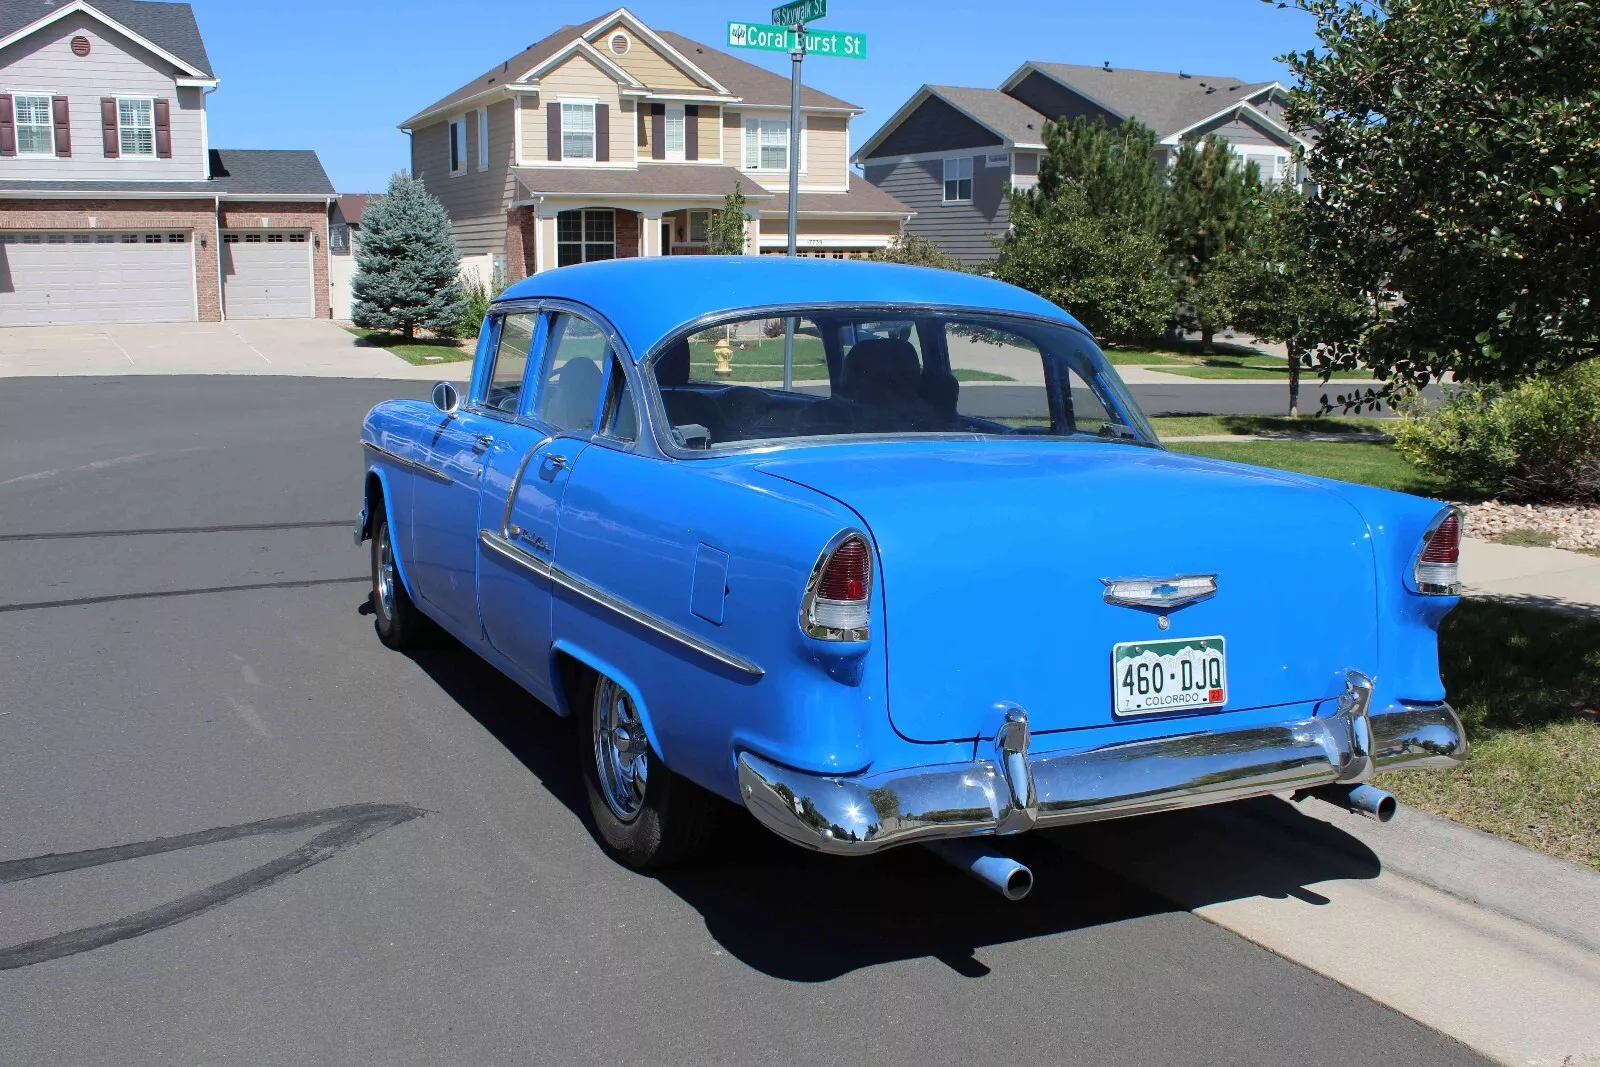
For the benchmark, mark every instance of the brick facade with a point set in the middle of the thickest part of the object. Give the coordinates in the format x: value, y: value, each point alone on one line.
x: 287, y: 215
x: 522, y: 234
x: 199, y: 217
x: 628, y: 246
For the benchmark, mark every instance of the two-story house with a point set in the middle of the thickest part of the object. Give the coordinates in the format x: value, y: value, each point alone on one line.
x: 610, y: 139
x: 950, y: 153
x: 114, y: 206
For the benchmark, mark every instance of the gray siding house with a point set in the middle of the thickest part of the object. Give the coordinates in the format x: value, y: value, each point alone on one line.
x: 950, y: 153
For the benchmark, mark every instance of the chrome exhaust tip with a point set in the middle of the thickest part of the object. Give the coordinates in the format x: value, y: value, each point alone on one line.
x: 994, y: 869
x: 1365, y: 800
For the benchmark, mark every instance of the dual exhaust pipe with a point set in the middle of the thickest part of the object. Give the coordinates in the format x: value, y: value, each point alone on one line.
x: 1013, y: 880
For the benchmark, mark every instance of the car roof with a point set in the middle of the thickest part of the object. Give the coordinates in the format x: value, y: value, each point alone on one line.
x: 649, y: 298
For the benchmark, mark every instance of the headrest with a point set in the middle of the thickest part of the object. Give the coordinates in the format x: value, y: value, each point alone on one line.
x: 575, y: 394
x: 881, y: 368
x: 672, y: 366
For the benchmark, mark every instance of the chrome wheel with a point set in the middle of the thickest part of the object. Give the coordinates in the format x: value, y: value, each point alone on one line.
x: 621, y: 753
x: 386, y: 574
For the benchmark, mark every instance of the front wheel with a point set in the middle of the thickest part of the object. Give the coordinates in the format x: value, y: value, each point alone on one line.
x: 645, y: 816
x: 398, y: 622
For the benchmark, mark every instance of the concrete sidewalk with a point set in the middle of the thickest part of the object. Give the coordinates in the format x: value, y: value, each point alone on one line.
x: 306, y: 347
x: 1538, y: 577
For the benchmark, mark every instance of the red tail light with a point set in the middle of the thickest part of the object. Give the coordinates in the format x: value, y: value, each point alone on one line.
x: 1438, y: 566
x: 838, y: 600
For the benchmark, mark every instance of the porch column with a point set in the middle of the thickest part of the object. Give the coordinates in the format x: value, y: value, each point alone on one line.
x: 651, y: 221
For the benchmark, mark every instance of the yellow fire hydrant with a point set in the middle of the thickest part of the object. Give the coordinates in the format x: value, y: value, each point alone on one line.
x: 724, y: 353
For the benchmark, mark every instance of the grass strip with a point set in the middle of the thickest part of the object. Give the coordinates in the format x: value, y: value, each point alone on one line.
x: 1365, y: 462
x: 418, y: 353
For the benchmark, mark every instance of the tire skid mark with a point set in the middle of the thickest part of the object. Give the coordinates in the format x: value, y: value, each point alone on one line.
x: 68, y: 535
x: 347, y: 826
x: 115, y: 597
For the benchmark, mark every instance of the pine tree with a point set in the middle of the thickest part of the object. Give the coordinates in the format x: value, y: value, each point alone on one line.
x: 1210, y: 201
x: 1115, y: 169
x: 406, y: 263
x: 727, y: 226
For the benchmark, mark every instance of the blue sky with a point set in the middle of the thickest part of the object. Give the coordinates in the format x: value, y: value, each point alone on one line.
x: 366, y: 65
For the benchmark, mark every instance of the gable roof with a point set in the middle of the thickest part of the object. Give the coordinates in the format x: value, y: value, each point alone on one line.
x: 752, y: 84
x: 1009, y: 119
x: 353, y: 205
x: 171, y: 28
x: 623, y: 17
x: 1167, y: 102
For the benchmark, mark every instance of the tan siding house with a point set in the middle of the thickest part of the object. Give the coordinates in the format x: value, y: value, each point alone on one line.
x: 617, y: 143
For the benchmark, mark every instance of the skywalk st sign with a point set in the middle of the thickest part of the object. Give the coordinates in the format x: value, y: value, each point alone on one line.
x: 799, y: 12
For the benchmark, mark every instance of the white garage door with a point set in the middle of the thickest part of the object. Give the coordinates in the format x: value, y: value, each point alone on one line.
x: 95, y: 276
x: 266, y: 274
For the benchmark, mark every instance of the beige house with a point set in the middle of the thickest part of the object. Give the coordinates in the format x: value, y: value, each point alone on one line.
x: 611, y: 139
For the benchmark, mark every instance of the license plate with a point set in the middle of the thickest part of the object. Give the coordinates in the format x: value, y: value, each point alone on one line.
x: 1180, y: 674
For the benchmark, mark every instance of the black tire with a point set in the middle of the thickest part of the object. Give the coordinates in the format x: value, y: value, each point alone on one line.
x: 398, y: 622
x: 674, y: 819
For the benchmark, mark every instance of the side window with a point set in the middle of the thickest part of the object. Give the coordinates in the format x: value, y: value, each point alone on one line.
x: 510, y: 363
x: 621, y: 420
x: 571, y: 391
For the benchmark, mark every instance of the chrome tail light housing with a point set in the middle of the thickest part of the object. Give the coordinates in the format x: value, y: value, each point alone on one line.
x: 1437, y: 568
x: 838, y: 599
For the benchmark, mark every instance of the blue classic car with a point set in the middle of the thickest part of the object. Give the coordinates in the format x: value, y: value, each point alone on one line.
x: 890, y: 555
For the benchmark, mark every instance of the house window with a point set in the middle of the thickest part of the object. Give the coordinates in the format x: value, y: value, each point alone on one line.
x: 766, y: 144
x: 297, y: 238
x: 36, y: 135
x: 699, y: 227
x: 458, y: 146
x: 577, y: 131
x: 585, y: 236
x: 958, y: 180
x: 483, y: 139
x: 1274, y: 165
x: 339, y: 237
x: 674, y: 134
x: 136, y: 126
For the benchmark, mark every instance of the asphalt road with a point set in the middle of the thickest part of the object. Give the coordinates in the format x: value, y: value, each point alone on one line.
x: 397, y: 872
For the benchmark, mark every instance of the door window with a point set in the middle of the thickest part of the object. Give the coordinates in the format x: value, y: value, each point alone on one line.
x: 621, y: 420
x: 570, y: 395
x: 510, y: 365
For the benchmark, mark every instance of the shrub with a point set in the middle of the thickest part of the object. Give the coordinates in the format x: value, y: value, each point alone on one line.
x: 475, y: 306
x: 1536, y: 440
x: 916, y: 251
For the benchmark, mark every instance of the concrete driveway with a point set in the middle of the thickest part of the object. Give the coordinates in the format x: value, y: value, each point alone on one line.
x: 307, y: 347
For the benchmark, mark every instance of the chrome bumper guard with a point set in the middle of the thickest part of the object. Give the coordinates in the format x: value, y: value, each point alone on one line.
x: 1010, y: 792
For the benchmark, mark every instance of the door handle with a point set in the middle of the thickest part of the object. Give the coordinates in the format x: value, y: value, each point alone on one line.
x: 556, y: 460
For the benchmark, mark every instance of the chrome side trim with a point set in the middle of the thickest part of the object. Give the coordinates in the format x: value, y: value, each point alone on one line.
x: 410, y: 464
x: 856, y: 815
x: 594, y: 594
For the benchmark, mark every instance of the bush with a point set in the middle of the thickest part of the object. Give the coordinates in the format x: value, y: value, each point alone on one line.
x: 1537, y: 440
x: 915, y: 251
x: 475, y: 307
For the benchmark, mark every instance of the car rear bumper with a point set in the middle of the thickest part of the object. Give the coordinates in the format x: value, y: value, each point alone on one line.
x: 1012, y: 792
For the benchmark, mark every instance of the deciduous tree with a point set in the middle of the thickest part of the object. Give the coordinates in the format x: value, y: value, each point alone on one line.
x: 726, y: 236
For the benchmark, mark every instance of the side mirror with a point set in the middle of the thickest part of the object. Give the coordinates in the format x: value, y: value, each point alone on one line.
x: 446, y: 398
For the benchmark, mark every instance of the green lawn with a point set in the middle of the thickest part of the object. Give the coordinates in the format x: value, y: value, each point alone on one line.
x: 1367, y: 462
x: 1526, y: 683
x: 1205, y: 425
x: 1225, y: 361
x: 417, y: 352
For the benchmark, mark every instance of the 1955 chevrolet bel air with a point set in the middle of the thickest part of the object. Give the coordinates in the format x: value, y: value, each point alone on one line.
x: 890, y: 555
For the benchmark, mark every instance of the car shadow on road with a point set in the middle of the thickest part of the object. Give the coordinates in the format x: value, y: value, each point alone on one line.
x: 806, y: 917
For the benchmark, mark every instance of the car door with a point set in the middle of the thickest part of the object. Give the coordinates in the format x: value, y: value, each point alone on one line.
x: 445, y: 514
x: 514, y: 593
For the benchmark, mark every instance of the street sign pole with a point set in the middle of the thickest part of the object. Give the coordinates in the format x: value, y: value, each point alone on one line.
x: 797, y: 57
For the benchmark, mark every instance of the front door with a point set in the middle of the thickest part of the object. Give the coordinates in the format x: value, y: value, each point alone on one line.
x: 514, y: 591
x: 446, y: 514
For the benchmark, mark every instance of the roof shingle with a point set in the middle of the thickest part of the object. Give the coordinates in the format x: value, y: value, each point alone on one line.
x: 1006, y: 115
x: 234, y: 172
x: 170, y: 27
x: 1164, y: 101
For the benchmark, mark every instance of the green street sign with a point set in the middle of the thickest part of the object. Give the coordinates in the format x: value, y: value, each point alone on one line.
x: 770, y: 38
x: 799, y: 11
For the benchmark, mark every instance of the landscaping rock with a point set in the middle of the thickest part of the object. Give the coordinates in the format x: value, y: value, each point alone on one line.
x: 1573, y: 528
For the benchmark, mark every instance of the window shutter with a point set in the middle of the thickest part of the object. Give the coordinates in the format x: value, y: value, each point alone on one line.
x: 163, y: 130
x: 553, y: 131
x: 602, y: 133
x: 8, y: 129
x: 658, y: 131
x: 63, y: 123
x: 642, y: 117
x: 108, y: 127
x: 691, y: 131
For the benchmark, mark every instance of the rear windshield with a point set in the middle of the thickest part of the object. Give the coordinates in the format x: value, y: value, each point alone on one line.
x: 834, y: 374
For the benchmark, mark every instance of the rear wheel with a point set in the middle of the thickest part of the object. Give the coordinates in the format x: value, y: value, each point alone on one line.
x: 645, y: 816
x: 398, y: 622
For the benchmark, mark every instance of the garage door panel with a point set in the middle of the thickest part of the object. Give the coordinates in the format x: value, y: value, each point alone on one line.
x: 44, y: 283
x: 266, y: 276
